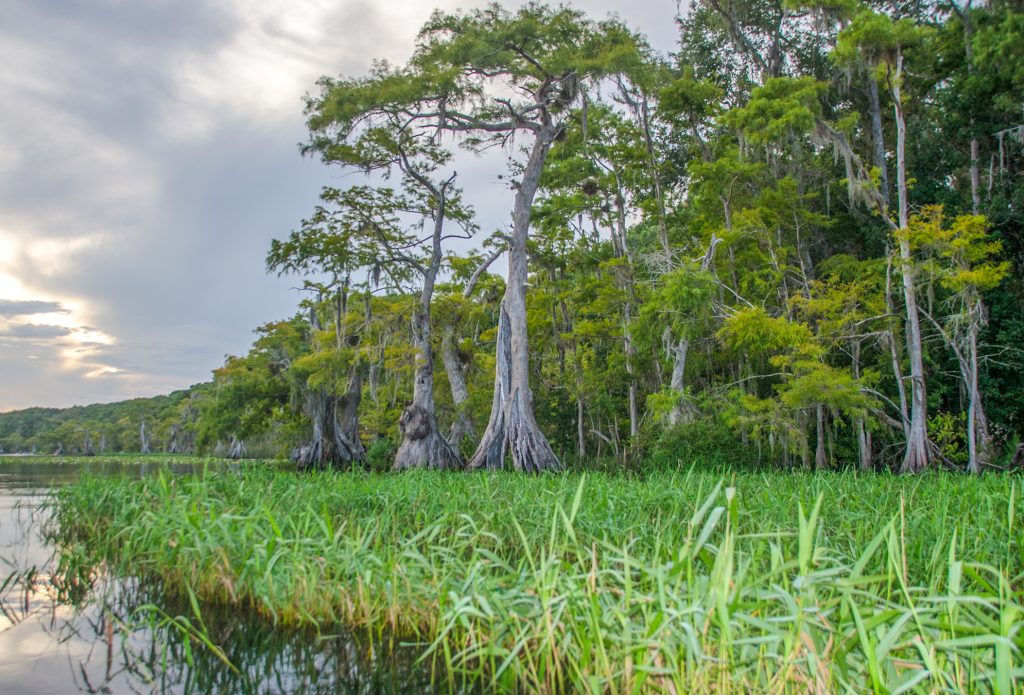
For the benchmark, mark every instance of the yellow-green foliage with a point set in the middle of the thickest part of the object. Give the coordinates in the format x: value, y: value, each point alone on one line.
x: 963, y: 253
x: 751, y: 331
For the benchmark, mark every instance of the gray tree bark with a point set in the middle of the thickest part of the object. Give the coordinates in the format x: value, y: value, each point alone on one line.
x: 864, y: 454
x: 682, y: 411
x: 455, y: 368
x: 877, y: 137
x: 512, y: 426
x: 346, y: 419
x: 916, y: 457
x: 335, y: 438
x: 627, y: 308
x: 820, y: 457
x: 423, y: 445
x: 236, y: 449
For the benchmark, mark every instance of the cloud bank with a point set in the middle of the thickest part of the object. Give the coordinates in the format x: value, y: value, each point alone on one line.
x: 147, y: 158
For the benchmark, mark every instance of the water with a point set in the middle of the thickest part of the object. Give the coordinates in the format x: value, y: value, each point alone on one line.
x: 103, y: 634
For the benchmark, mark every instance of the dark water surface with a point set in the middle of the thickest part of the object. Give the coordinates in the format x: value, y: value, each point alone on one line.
x: 120, y: 635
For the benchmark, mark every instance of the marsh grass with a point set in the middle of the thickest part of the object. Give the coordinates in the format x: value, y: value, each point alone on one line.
x: 672, y: 582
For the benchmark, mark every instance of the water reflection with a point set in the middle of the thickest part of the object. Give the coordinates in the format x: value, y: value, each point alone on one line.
x: 66, y: 628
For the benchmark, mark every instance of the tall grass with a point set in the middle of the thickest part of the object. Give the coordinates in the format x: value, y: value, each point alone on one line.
x: 671, y: 583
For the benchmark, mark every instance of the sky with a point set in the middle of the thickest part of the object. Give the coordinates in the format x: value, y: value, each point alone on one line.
x: 149, y: 155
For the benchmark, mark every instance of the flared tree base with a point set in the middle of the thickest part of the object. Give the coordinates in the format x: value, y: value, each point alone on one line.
x: 423, y: 445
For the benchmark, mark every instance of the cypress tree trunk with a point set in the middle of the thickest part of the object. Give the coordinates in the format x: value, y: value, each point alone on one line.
x: 236, y: 449
x: 863, y: 434
x: 423, y: 445
x: 512, y: 426
x: 455, y: 367
x: 894, y: 356
x: 490, y: 453
x: 629, y: 351
x: 877, y: 137
x: 916, y: 457
x: 820, y: 457
x: 979, y: 440
x: 317, y: 452
x: 335, y: 442
x: 345, y: 420
x: 681, y: 411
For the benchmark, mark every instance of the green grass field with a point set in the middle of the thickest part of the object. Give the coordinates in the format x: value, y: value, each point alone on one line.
x: 671, y: 582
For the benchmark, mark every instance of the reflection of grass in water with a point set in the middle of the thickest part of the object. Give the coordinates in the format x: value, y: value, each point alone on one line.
x: 674, y: 582
x: 148, y: 637
x: 16, y: 592
x: 191, y: 629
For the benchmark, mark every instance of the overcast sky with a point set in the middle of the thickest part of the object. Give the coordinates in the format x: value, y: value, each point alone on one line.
x: 148, y: 155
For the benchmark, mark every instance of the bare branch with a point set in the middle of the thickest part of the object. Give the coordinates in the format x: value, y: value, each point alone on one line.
x: 475, y: 277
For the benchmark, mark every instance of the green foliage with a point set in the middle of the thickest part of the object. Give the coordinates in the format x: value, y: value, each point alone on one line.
x: 704, y: 442
x: 965, y: 254
x: 757, y: 335
x: 782, y: 107
x: 947, y: 430
x: 381, y: 455
x: 874, y: 38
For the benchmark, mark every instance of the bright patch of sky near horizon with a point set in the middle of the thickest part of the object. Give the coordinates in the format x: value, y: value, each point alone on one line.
x: 147, y: 158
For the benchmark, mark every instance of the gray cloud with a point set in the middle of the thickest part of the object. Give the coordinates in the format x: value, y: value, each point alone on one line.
x: 149, y: 156
x: 34, y: 330
x: 11, y: 307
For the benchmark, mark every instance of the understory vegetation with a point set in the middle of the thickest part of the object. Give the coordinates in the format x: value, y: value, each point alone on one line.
x: 669, y: 582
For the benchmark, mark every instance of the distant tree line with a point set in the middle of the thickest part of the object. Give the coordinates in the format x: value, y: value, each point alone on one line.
x: 159, y: 424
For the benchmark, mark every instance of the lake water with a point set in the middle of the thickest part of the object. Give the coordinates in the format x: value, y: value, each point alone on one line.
x: 118, y: 635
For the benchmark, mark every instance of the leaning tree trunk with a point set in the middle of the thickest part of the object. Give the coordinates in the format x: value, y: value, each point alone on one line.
x: 512, y: 426
x: 979, y: 439
x: 916, y: 456
x: 455, y: 367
